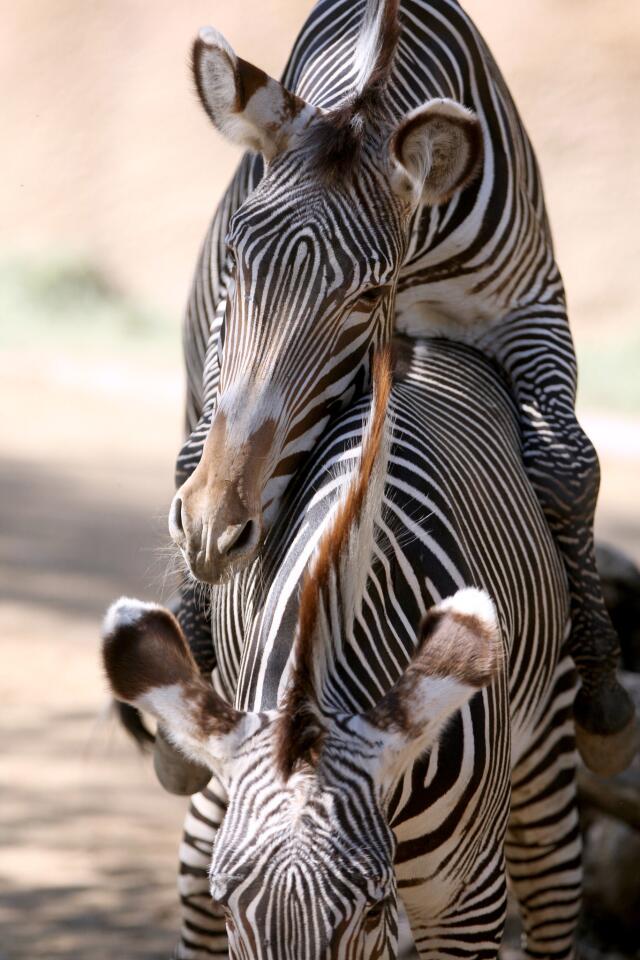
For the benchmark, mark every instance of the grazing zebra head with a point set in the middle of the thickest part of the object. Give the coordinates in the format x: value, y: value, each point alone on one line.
x: 304, y: 859
x: 315, y: 254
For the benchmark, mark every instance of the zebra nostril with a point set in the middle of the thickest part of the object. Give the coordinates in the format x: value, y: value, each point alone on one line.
x: 238, y: 538
x: 176, y: 527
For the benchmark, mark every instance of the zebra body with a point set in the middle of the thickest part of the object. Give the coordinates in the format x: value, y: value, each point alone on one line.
x: 457, y: 511
x: 314, y: 259
x: 479, y: 268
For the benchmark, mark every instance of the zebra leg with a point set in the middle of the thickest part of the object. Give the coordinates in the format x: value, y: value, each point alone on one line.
x: 536, y: 350
x: 177, y: 774
x: 203, y: 932
x: 193, y: 617
x: 543, y: 846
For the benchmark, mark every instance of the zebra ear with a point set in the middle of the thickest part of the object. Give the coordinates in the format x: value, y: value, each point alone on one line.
x: 149, y: 665
x: 245, y: 104
x: 435, y: 151
x: 459, y: 652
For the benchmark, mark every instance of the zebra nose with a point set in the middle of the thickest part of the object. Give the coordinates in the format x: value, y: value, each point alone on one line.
x: 239, y: 539
x: 176, y: 525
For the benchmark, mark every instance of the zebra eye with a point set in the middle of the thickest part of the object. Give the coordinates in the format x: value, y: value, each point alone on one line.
x: 372, y: 295
x: 231, y: 257
x: 376, y: 910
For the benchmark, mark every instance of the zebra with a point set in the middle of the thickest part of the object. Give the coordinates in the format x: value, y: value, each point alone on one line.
x: 392, y: 187
x: 411, y: 599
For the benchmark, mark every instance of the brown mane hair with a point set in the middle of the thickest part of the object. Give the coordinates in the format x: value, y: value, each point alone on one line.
x: 300, y: 729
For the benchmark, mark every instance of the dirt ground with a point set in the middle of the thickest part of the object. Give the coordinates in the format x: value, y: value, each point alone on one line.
x: 88, y: 844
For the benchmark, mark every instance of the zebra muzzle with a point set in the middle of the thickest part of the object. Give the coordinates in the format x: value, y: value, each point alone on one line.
x: 211, y: 546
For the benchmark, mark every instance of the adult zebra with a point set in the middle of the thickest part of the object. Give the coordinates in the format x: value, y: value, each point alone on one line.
x: 383, y: 202
x: 328, y: 792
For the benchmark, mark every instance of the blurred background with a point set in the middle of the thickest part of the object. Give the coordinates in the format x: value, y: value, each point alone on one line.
x: 111, y: 173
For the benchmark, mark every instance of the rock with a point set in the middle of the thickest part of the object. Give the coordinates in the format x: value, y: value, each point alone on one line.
x: 612, y: 883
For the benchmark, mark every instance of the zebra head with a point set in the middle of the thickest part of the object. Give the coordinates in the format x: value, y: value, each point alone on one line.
x: 315, y: 252
x: 303, y: 861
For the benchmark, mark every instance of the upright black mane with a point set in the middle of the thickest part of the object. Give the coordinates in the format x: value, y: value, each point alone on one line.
x: 335, y: 141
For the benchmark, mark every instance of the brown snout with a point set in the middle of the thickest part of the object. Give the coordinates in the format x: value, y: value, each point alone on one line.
x: 216, y: 515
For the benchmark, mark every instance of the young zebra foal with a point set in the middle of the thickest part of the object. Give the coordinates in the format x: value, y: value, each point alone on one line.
x: 360, y: 766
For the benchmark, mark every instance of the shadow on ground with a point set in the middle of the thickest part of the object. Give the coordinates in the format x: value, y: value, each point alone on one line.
x: 88, y: 841
x: 73, y: 542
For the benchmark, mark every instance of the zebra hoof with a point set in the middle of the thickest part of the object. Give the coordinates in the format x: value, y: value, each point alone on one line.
x: 607, y: 731
x: 177, y: 774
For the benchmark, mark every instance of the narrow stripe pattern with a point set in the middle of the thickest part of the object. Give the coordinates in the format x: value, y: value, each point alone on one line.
x: 277, y: 306
x: 495, y: 795
x: 277, y: 300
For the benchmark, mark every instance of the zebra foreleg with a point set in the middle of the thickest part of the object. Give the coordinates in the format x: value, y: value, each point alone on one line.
x: 543, y: 844
x: 536, y: 350
x: 203, y: 932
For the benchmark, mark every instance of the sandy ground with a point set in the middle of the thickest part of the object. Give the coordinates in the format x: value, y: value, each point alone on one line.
x: 89, y: 841
x: 88, y: 844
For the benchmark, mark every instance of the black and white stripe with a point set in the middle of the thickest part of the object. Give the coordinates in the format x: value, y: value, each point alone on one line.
x: 278, y: 294
x: 458, y: 511
x: 478, y: 269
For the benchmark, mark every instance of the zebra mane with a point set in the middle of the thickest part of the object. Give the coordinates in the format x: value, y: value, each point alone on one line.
x: 376, y: 45
x: 334, y: 584
x: 335, y: 139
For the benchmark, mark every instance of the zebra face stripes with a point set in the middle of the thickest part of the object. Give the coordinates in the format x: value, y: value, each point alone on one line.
x: 296, y: 880
x: 315, y: 254
x: 303, y: 865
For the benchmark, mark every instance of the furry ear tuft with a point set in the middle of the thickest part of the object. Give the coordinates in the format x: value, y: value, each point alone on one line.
x: 144, y: 647
x: 459, y: 652
x: 245, y: 104
x: 148, y: 664
x: 435, y: 151
x: 460, y: 638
